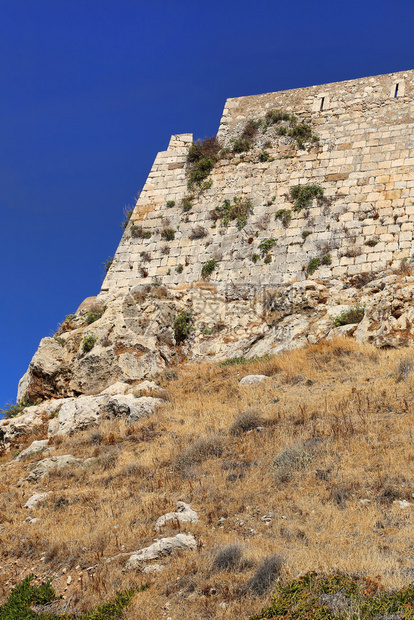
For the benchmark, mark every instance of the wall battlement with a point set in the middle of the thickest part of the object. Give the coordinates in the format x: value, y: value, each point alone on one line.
x: 363, y: 161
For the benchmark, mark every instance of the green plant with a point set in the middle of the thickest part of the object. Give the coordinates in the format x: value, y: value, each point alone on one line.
x: 335, y: 597
x: 59, y: 340
x: 372, y: 242
x: 91, y: 317
x: 107, y: 263
x: 303, y: 133
x: 276, y: 116
x: 353, y: 315
x: 264, y: 156
x: 302, y: 195
x: 284, y: 215
x: 88, y: 343
x: 305, y: 234
x: 12, y: 410
x: 168, y: 234
x: 208, y: 268
x: 179, y: 268
x: 24, y: 595
x: 170, y: 204
x: 266, y: 245
x: 187, y: 203
x: 326, y: 259
x: 201, y: 157
x: 313, y: 265
x: 238, y: 210
x: 70, y: 317
x: 139, y: 232
x: 255, y: 258
x: 182, y: 325
x: 241, y: 146
x: 268, y: 259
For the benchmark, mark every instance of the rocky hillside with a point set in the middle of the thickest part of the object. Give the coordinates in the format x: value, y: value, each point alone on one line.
x: 213, y: 445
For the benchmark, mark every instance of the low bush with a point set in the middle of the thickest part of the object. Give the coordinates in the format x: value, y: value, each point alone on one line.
x: 353, y: 315
x: 238, y: 210
x: 208, y: 268
x: 313, y: 265
x: 266, y: 245
x: 139, y: 232
x: 182, y: 325
x: 187, y: 203
x: 265, y: 576
x: 24, y: 596
x: 11, y: 409
x: 199, y: 450
x: 179, y: 268
x: 228, y: 558
x: 245, y: 421
x: 293, y: 459
x: 302, y: 195
x: 168, y: 234
x: 88, y: 343
x: 241, y: 146
x: 94, y: 315
x: 198, y: 232
x: 284, y: 215
x: 170, y: 204
x: 337, y: 596
x: 201, y: 158
x: 264, y: 156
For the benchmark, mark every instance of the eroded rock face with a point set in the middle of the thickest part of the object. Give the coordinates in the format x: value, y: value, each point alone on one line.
x: 136, y: 340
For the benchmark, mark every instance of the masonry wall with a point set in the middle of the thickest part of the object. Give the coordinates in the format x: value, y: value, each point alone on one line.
x: 364, y: 161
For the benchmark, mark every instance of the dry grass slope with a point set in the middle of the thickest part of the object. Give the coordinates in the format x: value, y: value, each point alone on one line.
x: 311, y: 475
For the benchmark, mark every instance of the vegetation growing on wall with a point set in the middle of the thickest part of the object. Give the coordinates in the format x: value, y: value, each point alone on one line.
x: 201, y: 157
x: 238, y: 210
x: 139, y: 232
x: 302, y: 195
x: 208, y: 268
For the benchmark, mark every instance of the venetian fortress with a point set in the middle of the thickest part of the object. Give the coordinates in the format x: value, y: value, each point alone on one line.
x: 359, y: 156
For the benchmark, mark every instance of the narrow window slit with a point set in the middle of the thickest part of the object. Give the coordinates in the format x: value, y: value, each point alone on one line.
x: 396, y: 91
x: 322, y: 102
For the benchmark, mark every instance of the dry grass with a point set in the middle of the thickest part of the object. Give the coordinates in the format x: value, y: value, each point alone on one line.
x: 338, y: 429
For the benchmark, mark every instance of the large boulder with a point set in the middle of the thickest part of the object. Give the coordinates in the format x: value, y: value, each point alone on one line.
x: 77, y: 414
x: 164, y: 546
x: 133, y: 408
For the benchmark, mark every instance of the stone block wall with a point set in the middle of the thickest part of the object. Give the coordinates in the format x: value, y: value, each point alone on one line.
x: 364, y: 162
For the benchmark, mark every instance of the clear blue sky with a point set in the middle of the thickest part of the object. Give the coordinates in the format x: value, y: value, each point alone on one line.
x: 91, y: 90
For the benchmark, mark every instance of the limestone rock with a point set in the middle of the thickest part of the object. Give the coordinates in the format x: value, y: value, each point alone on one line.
x: 35, y: 500
x: 34, y: 448
x: 161, y: 547
x: 252, y: 379
x: 134, y: 408
x: 79, y: 413
x: 183, y: 514
x: 40, y: 469
x: 116, y: 388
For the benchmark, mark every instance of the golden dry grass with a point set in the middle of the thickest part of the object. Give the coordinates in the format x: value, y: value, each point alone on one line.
x: 342, y: 409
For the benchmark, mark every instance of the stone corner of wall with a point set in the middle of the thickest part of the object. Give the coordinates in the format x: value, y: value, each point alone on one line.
x: 179, y: 140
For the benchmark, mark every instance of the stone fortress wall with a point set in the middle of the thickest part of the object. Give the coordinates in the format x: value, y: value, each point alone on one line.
x: 364, y: 161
